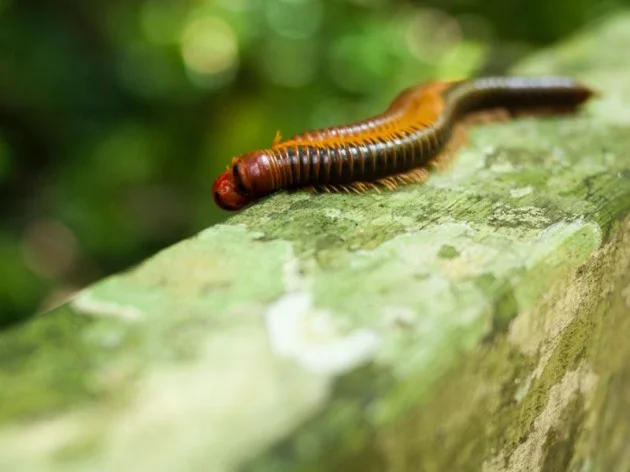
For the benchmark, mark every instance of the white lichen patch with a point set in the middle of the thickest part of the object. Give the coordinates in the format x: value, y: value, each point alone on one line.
x: 558, y: 154
x: 473, y: 260
x: 310, y: 337
x: 530, y: 215
x: 557, y: 234
x: 503, y: 168
x: 87, y: 302
x: 521, y: 192
x: 528, y: 455
x: 523, y: 388
x: 224, y: 231
x: 332, y: 213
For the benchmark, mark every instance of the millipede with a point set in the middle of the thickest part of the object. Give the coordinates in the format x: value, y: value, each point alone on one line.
x: 398, y: 146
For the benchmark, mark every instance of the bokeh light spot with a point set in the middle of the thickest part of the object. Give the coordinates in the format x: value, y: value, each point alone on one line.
x: 209, y: 46
x: 49, y: 248
x: 462, y: 61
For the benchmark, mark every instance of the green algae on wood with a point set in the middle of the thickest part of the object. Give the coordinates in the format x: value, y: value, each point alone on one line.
x: 477, y: 322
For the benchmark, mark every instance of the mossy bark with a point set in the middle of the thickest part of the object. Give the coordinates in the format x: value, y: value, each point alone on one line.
x: 477, y: 322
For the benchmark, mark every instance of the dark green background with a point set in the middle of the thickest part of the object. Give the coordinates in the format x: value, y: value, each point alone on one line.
x: 116, y: 116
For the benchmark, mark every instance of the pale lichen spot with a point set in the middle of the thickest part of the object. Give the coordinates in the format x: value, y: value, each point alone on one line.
x: 558, y: 154
x: 472, y: 261
x: 87, y: 302
x: 227, y: 230
x: 523, y: 389
x: 502, y: 168
x: 503, y: 213
x: 558, y: 232
x: 332, y: 213
x: 310, y: 337
x: 521, y: 191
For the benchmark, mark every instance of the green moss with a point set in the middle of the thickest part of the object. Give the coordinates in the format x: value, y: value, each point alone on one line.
x: 448, y: 252
x: 31, y: 357
x: 63, y: 361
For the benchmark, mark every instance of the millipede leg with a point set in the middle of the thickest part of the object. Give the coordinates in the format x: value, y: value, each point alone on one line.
x: 388, y: 182
x: 495, y: 115
x: 414, y: 176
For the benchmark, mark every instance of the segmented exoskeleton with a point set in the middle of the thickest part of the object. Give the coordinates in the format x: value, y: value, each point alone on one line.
x: 396, y: 146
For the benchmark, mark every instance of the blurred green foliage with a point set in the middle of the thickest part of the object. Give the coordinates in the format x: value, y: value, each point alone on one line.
x: 117, y: 115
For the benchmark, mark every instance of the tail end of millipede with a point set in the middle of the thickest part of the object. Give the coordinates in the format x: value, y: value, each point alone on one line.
x: 587, y: 93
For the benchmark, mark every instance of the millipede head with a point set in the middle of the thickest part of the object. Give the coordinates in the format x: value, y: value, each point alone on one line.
x: 248, y: 178
x: 226, y: 195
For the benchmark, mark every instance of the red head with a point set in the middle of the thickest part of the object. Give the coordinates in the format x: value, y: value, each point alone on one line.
x: 250, y: 177
x: 226, y: 194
